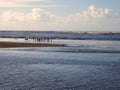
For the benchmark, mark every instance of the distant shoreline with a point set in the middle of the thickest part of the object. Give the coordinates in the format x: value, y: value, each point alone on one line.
x: 19, y: 44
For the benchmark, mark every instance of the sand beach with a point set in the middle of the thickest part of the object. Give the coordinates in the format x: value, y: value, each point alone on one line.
x: 22, y: 44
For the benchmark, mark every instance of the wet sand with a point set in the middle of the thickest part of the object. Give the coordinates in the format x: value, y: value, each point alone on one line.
x: 19, y: 44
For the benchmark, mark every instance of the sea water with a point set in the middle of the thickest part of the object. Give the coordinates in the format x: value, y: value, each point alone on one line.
x: 83, y: 65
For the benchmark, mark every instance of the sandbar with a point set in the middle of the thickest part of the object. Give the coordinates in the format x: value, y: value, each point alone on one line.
x: 21, y: 44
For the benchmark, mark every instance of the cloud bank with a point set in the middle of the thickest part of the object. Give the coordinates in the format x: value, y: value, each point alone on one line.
x: 38, y: 14
x: 26, y: 3
x: 91, y: 19
x: 7, y: 3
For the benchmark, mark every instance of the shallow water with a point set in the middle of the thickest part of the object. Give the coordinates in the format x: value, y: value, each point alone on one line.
x: 59, y: 68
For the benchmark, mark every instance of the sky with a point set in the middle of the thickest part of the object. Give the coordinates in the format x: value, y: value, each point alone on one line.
x: 60, y: 15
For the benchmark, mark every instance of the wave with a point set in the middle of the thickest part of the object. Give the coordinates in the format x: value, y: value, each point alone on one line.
x: 90, y: 51
x: 61, y: 35
x: 67, y: 50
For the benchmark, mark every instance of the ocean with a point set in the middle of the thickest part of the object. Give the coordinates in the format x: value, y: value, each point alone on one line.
x: 62, y: 35
x: 89, y: 62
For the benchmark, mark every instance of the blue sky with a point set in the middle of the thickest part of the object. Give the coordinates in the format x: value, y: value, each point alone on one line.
x: 72, y: 6
x: 77, y: 15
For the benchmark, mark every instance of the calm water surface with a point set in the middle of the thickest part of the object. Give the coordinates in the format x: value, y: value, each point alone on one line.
x: 86, y: 65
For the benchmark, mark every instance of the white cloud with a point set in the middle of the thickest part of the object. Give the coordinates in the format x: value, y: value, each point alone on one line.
x: 23, y: 3
x: 38, y: 19
x: 97, y: 13
x: 36, y: 14
x: 4, y: 3
x: 90, y: 14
